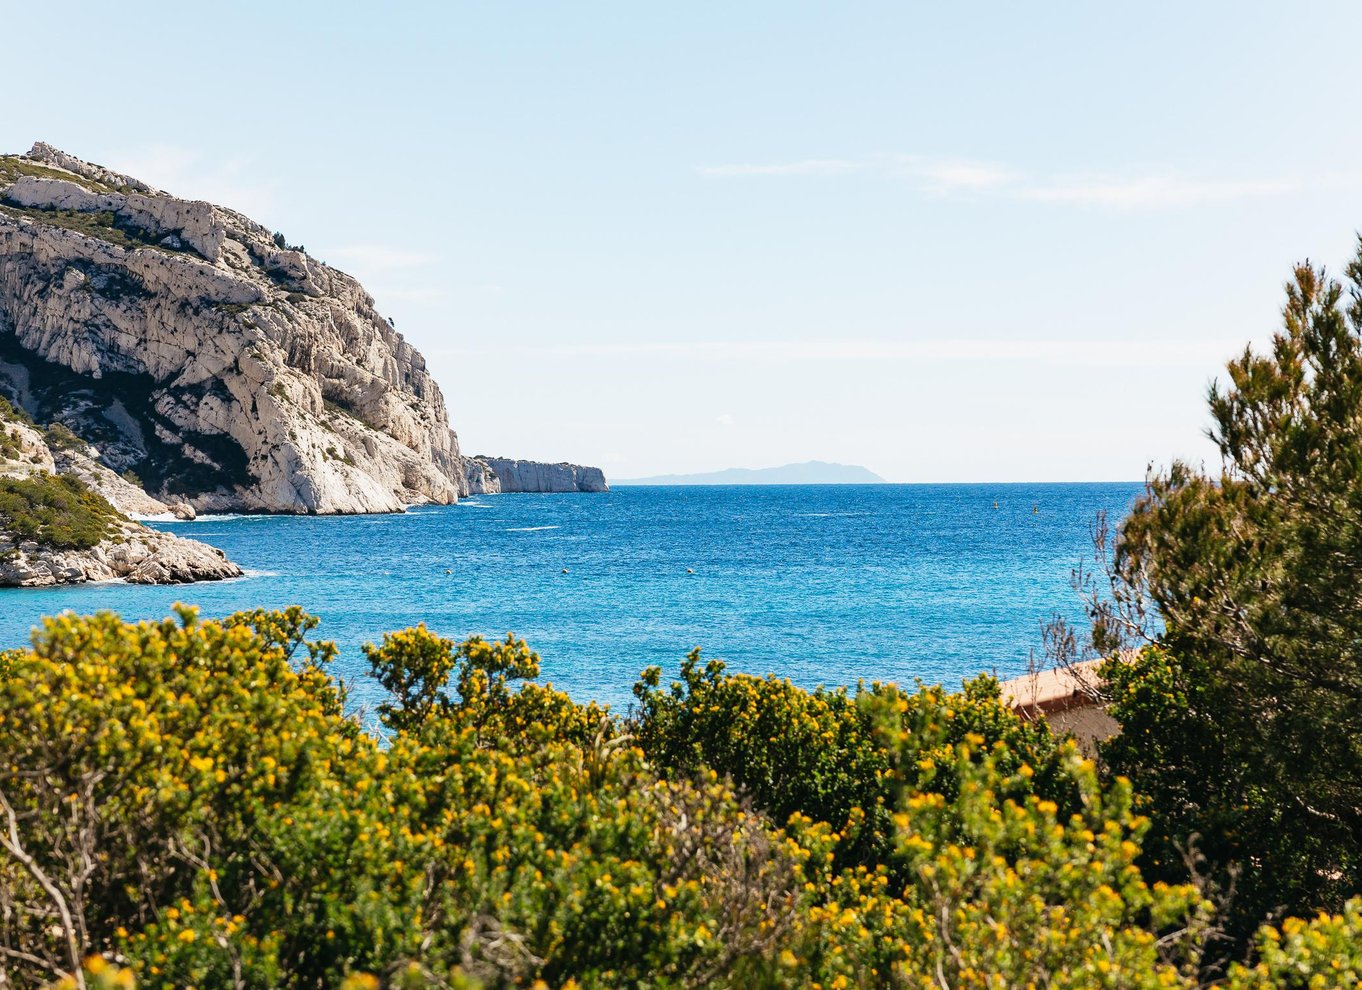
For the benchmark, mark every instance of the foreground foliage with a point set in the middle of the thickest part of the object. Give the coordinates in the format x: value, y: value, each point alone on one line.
x: 1242, y: 728
x: 186, y: 803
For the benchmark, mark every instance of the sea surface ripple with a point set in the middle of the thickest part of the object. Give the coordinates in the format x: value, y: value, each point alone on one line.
x: 820, y: 584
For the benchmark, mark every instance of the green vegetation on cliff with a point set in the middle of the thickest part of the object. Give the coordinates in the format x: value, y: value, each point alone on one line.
x: 17, y: 166
x: 56, y: 511
x: 101, y: 224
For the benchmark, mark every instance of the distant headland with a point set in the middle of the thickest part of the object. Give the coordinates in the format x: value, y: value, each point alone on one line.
x: 806, y: 473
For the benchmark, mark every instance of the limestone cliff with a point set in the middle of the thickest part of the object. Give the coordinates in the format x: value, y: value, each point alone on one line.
x: 191, y: 346
x: 124, y: 550
x: 495, y: 475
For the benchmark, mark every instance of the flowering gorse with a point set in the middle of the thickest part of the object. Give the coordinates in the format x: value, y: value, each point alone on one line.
x: 187, y: 804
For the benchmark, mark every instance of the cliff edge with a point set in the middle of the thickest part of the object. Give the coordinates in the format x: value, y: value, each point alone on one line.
x: 196, y: 349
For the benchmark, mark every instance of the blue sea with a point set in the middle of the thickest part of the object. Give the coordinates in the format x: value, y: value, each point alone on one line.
x: 820, y: 584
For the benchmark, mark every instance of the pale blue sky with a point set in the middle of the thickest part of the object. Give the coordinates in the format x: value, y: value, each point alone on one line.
x: 949, y: 242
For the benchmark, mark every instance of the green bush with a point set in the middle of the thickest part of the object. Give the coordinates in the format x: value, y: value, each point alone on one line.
x: 9, y: 412
x: 14, y: 166
x: 191, y: 795
x: 827, y: 754
x: 60, y: 437
x: 1242, y: 729
x: 103, y: 225
x: 55, y: 511
x: 188, y: 799
x: 9, y: 444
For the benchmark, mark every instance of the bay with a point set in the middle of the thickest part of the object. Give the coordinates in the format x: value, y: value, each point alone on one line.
x: 821, y: 584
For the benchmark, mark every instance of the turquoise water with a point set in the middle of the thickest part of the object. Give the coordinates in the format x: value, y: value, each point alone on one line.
x: 821, y: 584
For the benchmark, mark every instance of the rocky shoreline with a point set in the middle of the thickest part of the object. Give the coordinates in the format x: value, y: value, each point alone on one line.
x: 135, y: 553
x: 129, y: 551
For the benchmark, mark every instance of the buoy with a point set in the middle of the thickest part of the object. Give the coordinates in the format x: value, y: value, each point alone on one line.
x: 565, y: 570
x: 690, y: 570
x: 448, y: 571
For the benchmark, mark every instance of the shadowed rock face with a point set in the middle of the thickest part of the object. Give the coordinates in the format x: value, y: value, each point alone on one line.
x: 189, y: 347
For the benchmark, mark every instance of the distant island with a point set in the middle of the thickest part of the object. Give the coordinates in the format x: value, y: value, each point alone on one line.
x: 807, y: 473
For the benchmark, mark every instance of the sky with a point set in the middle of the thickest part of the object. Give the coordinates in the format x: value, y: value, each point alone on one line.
x: 949, y: 242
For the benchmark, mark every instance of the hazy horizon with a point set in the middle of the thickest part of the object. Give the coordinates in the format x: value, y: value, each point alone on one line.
x: 952, y: 245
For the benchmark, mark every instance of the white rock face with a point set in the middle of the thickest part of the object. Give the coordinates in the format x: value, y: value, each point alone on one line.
x: 228, y: 372
x: 494, y: 475
x: 138, y: 554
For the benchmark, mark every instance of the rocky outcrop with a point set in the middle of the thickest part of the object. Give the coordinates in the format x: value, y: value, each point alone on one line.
x: 495, y: 475
x: 136, y: 554
x: 130, y: 552
x: 121, y: 493
x: 191, y: 346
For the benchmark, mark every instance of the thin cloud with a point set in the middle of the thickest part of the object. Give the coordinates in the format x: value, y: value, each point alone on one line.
x: 1155, y: 191
x: 943, y: 177
x: 233, y: 182
x: 419, y: 294
x: 1085, y: 352
x: 724, y: 419
x: 812, y: 166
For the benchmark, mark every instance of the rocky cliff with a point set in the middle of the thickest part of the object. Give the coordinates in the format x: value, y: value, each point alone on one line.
x: 494, y: 475
x: 120, y: 548
x: 193, y: 347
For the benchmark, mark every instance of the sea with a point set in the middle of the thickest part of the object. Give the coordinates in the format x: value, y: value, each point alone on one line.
x: 825, y: 585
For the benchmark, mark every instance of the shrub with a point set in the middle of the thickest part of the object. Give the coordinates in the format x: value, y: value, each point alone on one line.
x: 281, y: 242
x: 10, y: 448
x: 1300, y: 954
x: 12, y: 413
x: 827, y: 754
x: 55, y: 511
x: 1242, y: 729
x: 60, y: 437
x: 189, y: 799
x: 102, y: 225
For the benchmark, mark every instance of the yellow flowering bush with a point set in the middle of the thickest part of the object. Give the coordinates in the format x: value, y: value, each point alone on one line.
x: 835, y: 756
x: 186, y: 803
x: 1322, y: 953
